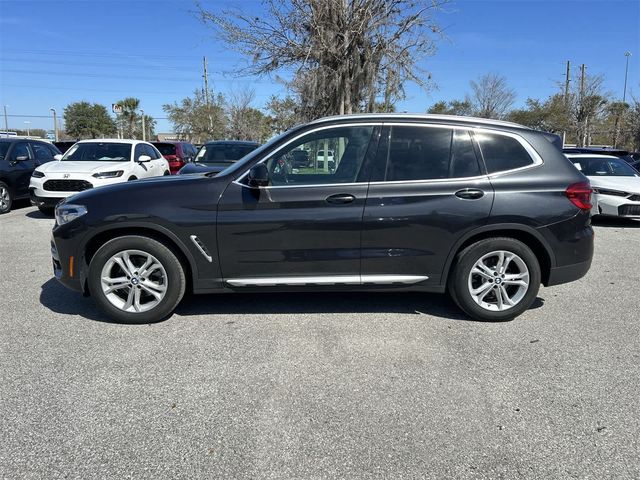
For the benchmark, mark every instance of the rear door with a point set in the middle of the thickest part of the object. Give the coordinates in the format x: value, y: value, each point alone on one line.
x: 428, y: 188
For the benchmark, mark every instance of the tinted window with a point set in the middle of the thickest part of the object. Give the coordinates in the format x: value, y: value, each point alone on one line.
x: 223, y: 153
x: 336, y: 156
x: 4, y: 146
x: 149, y: 150
x: 20, y: 150
x: 166, y: 148
x: 419, y: 153
x: 138, y: 151
x: 601, y: 167
x: 98, y: 151
x: 54, y: 151
x: 42, y: 153
x: 502, y: 153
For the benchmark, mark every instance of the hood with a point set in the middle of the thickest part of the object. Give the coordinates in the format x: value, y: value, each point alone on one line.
x: 83, y: 167
x: 624, y: 184
x: 203, y: 168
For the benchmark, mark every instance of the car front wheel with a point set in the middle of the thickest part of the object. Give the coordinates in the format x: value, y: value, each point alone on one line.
x: 6, y: 199
x: 495, y: 279
x: 136, y: 279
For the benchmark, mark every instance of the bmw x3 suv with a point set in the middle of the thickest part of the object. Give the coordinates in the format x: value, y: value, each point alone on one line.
x: 484, y: 210
x: 94, y: 163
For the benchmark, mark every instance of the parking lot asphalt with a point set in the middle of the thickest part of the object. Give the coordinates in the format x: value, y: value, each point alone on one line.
x: 319, y: 385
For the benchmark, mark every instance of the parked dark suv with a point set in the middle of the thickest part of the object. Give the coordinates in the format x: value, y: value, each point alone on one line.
x: 485, y: 210
x: 19, y: 157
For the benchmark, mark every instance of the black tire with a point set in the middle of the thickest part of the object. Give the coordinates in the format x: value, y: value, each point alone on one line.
x: 458, y: 282
x: 166, y: 173
x: 6, y: 198
x: 131, y: 179
x: 45, y: 210
x: 176, y: 282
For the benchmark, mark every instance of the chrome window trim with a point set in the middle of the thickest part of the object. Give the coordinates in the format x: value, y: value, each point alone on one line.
x: 325, y: 127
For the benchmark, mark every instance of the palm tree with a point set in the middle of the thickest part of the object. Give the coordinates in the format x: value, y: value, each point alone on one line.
x: 130, y: 106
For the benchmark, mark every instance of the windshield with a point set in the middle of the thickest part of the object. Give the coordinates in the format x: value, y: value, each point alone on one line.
x: 4, y: 146
x: 166, y: 148
x: 603, y: 167
x: 98, y: 152
x: 223, y: 153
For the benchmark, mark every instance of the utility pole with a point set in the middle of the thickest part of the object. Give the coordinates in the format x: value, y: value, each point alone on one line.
x: 144, y: 133
x: 55, y: 124
x: 583, y: 69
x: 205, y: 75
x: 626, y: 71
x: 566, y: 97
x: 6, y: 123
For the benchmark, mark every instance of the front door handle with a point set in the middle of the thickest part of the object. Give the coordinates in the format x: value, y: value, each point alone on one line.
x: 470, y: 194
x: 340, y: 198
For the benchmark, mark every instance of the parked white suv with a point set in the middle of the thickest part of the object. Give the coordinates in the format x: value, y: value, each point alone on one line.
x: 94, y: 163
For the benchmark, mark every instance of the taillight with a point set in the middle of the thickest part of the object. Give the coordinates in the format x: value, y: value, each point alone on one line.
x: 580, y: 195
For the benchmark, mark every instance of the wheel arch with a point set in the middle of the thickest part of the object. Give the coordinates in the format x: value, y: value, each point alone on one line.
x: 528, y: 236
x: 167, y: 238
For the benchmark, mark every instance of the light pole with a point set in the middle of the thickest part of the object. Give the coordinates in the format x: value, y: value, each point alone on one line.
x: 6, y: 123
x: 626, y: 71
x: 27, y: 123
x: 144, y: 133
x: 55, y: 124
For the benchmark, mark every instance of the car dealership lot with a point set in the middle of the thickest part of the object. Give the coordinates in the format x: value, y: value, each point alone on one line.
x: 319, y: 385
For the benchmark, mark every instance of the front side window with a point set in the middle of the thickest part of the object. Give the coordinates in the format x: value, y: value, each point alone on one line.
x: 42, y: 153
x: 21, y: 150
x: 604, y: 167
x: 430, y: 153
x: 333, y: 155
x: 502, y: 153
x: 98, y: 152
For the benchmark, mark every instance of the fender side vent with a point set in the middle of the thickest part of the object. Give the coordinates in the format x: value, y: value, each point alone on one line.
x: 201, y: 246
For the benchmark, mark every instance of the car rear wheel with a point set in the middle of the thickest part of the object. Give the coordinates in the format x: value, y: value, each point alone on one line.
x: 136, y: 279
x: 6, y: 198
x: 495, y: 279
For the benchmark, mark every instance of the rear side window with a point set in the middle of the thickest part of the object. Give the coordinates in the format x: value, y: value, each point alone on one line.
x: 502, y: 153
x: 424, y: 153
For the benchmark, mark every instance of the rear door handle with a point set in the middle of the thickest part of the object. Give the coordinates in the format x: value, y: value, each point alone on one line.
x: 470, y: 194
x: 340, y: 198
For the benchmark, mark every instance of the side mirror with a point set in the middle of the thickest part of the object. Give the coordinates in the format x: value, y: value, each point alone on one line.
x: 57, y: 157
x: 22, y: 158
x: 144, y: 158
x: 258, y: 176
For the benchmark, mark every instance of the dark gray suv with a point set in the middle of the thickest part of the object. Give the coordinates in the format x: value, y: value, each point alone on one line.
x: 485, y: 210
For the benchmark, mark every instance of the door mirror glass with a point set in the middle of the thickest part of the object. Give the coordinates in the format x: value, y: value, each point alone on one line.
x: 258, y: 176
x: 22, y: 158
x: 144, y: 158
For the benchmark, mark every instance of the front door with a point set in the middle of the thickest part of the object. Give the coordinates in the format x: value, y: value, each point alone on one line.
x: 427, y: 190
x: 21, y: 166
x: 304, y: 227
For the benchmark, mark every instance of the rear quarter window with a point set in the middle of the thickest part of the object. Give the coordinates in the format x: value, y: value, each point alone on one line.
x: 502, y: 153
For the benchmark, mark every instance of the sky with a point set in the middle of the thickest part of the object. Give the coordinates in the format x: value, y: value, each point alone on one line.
x: 55, y: 52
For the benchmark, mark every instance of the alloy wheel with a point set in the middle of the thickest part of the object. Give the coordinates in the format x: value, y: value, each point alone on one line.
x: 4, y: 199
x: 499, y: 280
x: 134, y: 281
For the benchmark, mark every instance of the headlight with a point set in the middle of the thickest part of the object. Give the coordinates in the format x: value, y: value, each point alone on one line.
x: 68, y: 212
x: 114, y: 174
x: 615, y: 193
x: 37, y: 174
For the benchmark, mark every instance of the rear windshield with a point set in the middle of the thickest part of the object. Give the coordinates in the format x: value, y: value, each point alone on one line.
x: 99, y: 152
x: 223, y: 153
x: 604, y: 167
x: 4, y: 146
x: 166, y: 148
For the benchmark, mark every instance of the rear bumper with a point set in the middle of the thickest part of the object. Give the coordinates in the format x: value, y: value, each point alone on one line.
x: 568, y: 273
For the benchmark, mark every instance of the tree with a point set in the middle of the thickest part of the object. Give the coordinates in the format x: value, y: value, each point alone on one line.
x: 587, y: 105
x: 246, y: 122
x: 284, y: 113
x: 454, y: 107
x: 86, y: 120
x: 129, y: 117
x: 490, y: 96
x: 552, y: 115
x: 197, y: 120
x: 344, y: 53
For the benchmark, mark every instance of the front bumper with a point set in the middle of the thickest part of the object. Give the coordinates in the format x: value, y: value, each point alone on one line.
x: 618, y: 206
x: 69, y: 268
x: 43, y: 201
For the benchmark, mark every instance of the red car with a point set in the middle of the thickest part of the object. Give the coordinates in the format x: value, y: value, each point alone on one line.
x: 176, y: 153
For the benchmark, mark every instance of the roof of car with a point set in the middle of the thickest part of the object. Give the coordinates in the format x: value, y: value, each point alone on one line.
x: 112, y: 140
x: 590, y: 155
x: 231, y: 142
x: 421, y: 116
x: 15, y: 139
